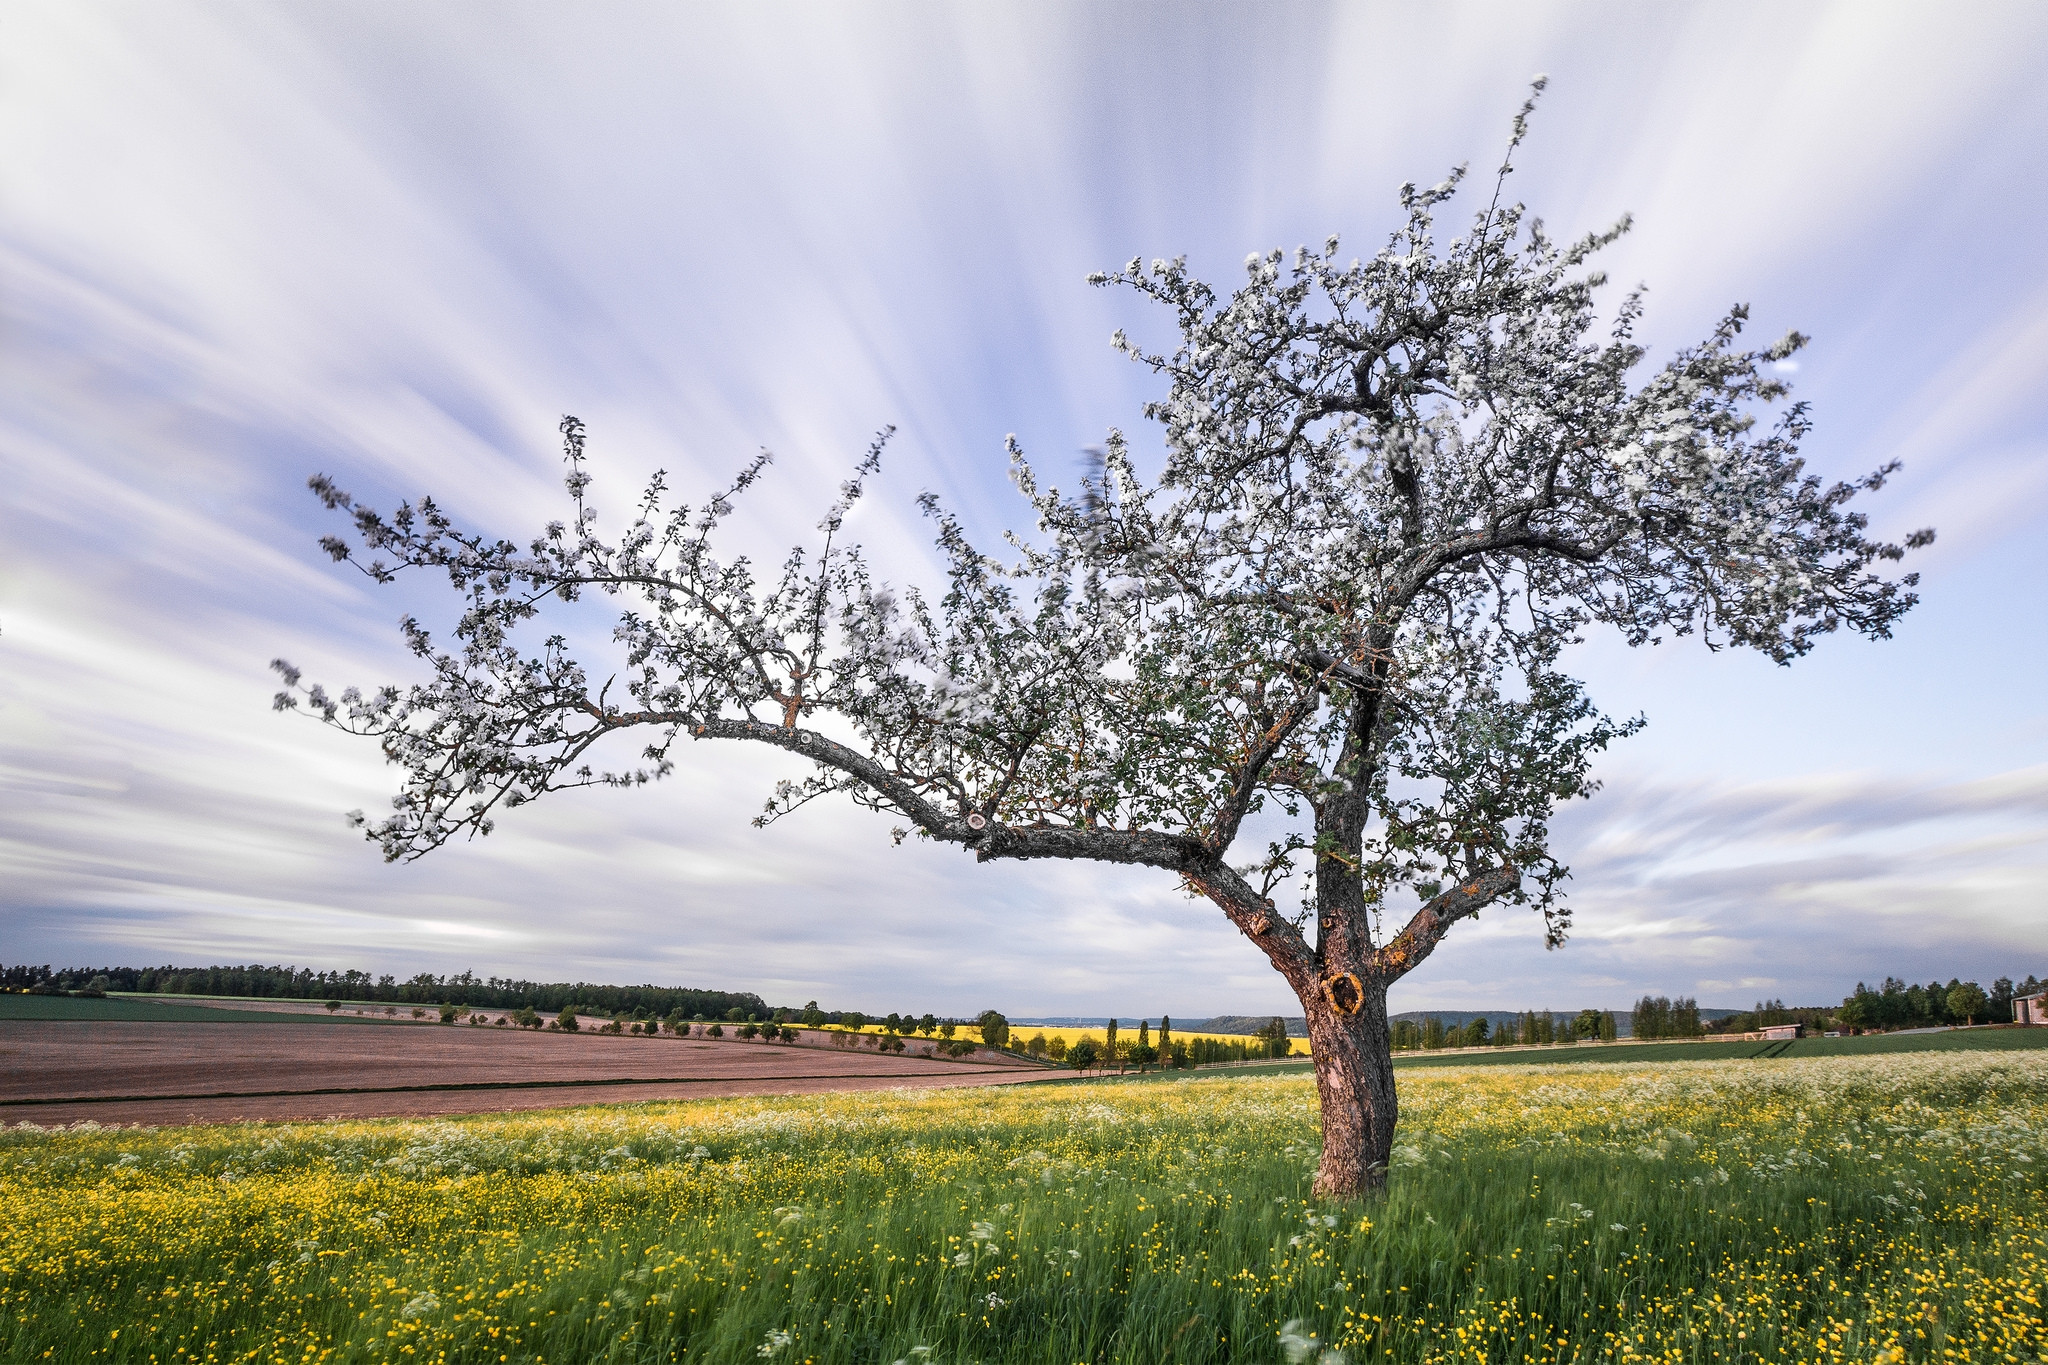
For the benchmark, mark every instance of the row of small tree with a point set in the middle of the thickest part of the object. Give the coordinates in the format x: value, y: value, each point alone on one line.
x: 1118, y: 1049
x: 1895, y: 1004
x: 1661, y: 1017
x: 638, y: 1023
x: 1530, y: 1028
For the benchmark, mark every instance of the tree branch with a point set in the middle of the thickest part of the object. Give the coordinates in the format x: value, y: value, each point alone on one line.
x: 1429, y: 924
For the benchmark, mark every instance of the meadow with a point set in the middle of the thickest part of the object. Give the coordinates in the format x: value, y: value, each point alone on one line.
x: 1746, y: 1049
x: 1870, y: 1209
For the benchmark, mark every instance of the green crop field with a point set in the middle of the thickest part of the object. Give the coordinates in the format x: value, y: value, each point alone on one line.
x: 1636, y: 1054
x: 1868, y: 1209
x: 139, y: 1011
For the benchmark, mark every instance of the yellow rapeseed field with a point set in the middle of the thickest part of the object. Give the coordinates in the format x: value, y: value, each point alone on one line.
x: 1832, y: 1210
x: 1022, y: 1033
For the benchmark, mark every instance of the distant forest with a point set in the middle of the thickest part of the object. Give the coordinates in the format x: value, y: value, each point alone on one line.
x: 303, y: 983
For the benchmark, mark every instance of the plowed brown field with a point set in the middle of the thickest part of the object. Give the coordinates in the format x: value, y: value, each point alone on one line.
x: 60, y: 1072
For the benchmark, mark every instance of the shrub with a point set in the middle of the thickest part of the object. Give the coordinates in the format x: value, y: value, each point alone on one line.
x: 566, y: 1020
x: 995, y: 1030
x: 715, y: 1031
x: 333, y: 1005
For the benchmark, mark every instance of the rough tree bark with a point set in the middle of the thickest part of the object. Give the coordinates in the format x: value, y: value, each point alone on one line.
x: 1355, y: 1084
x: 1346, y: 1009
x: 1342, y: 982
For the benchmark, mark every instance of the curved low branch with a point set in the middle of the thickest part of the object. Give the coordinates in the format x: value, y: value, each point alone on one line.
x: 1253, y: 914
x: 1150, y: 848
x: 1429, y: 924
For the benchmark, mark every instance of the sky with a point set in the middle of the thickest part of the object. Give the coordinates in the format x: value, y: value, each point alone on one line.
x: 242, y: 244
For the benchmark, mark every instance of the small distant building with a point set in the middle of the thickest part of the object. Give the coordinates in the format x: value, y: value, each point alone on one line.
x: 1776, y: 1031
x: 2031, y: 1009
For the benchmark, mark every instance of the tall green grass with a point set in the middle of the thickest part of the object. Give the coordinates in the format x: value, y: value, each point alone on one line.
x: 1886, y: 1209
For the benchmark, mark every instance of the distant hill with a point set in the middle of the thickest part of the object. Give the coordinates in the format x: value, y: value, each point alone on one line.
x: 1297, y: 1027
x: 1460, y: 1018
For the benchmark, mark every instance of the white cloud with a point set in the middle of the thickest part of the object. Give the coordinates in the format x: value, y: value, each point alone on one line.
x: 242, y: 245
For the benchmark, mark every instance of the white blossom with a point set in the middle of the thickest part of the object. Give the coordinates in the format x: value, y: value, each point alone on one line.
x: 1393, y: 494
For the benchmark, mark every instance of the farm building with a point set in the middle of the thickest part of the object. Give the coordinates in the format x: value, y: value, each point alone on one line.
x: 2031, y: 1009
x: 1785, y: 1031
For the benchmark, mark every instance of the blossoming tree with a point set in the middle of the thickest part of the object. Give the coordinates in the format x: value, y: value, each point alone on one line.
x: 1393, y: 491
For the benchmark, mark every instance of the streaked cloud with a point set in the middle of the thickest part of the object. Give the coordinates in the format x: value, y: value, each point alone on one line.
x: 241, y: 244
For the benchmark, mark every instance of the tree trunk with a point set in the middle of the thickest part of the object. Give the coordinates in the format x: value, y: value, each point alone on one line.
x: 1355, y: 1080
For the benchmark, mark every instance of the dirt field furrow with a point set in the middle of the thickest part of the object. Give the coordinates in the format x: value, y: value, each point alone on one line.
x: 61, y: 1072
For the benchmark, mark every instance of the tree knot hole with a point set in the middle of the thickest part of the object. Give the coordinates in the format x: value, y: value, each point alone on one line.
x: 1345, y: 992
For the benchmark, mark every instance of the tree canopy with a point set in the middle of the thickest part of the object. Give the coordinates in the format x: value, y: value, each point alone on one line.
x: 1391, y: 491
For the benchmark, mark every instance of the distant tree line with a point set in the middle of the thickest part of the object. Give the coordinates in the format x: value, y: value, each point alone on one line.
x: 1768, y: 1013
x: 572, y: 1005
x: 425, y: 988
x: 1118, y: 1049
x: 1657, y: 1016
x: 1896, y: 1004
x: 1532, y: 1028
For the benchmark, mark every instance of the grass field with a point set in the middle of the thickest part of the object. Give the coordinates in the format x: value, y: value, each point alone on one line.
x: 1880, y: 1209
x: 154, y: 1010
x: 1637, y: 1054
